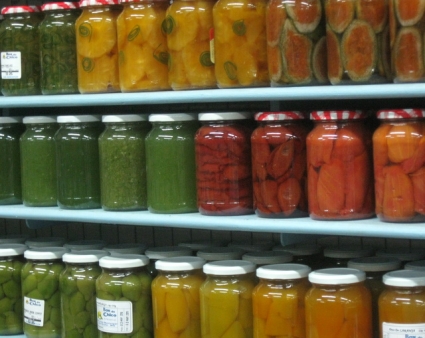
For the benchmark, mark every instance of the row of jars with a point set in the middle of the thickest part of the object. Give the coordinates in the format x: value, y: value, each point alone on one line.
x: 281, y: 168
x: 52, y: 293
x: 140, y: 45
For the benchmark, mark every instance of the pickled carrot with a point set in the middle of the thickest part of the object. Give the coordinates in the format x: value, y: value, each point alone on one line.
x: 331, y: 188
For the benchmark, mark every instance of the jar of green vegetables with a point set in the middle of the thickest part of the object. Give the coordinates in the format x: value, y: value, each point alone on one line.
x: 123, y: 162
x: 123, y: 291
x: 11, y: 263
x: 77, y: 285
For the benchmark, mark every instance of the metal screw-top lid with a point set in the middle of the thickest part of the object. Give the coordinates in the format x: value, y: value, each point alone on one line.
x: 268, y: 257
x: 12, y: 249
x: 85, y: 244
x: 123, y: 261
x: 182, y: 263
x: 259, y: 246
x: 161, y: 252
x: 347, y: 251
x: 38, y: 119
x: 45, y: 253
x: 84, y: 256
x: 300, y: 249
x: 44, y: 242
x: 402, y: 254
x: 415, y: 265
x: 125, y: 248
x: 374, y: 264
x: 336, y: 276
x: 404, y: 278
x: 220, y: 254
x: 283, y: 271
x: 229, y: 268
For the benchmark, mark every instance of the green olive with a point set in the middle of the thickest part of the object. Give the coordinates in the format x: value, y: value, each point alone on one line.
x: 18, y: 307
x: 91, y: 305
x: 131, y: 288
x: 73, y: 334
x: 5, y: 305
x: 55, y: 316
x: 142, y: 333
x: 55, y: 300
x: 82, y: 320
x: 109, y: 284
x: 26, y: 270
x: 12, y: 289
x: 91, y: 331
x: 17, y: 268
x: 50, y: 327
x: 87, y: 288
x: 48, y: 286
x: 29, y: 284
x: 104, y: 295
x: 1, y: 292
x: 77, y: 303
x: 67, y: 285
x: 6, y: 271
x: 47, y: 312
x: 145, y: 281
x: 35, y: 294
x: 56, y: 268
x: 13, y: 320
x: 40, y: 271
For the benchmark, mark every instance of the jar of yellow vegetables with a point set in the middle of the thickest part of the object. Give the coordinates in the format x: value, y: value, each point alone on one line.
x: 175, y: 297
x: 226, y: 299
x: 142, y: 46
x: 97, y: 47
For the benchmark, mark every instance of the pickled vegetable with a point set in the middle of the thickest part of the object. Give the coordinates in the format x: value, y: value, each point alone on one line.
x: 374, y: 12
x: 409, y: 12
x: 305, y: 15
x: 142, y: 45
x: 339, y: 14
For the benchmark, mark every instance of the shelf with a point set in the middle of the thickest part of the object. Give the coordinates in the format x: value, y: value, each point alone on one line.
x: 367, y: 228
x: 379, y: 91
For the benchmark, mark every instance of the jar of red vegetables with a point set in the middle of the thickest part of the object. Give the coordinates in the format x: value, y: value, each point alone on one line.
x: 223, y: 164
x: 279, y: 164
x: 340, y: 169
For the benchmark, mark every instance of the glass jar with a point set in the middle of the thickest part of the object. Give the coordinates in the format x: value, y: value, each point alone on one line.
x: 404, y: 255
x: 97, y: 47
x: 402, y: 304
x: 240, y: 44
x: 226, y: 299
x: 338, y: 304
x: 38, y: 161
x: 415, y: 265
x: 142, y: 46
x: 125, y: 248
x: 41, y: 242
x: 77, y: 153
x: 309, y: 254
x: 10, y: 161
x: 338, y: 256
x: 375, y: 268
x: 399, y: 163
x: 40, y: 291
x: 123, y: 162
x: 163, y: 252
x: 279, y: 170
x: 11, y: 263
x: 175, y: 297
x: 58, y: 49
x: 223, y: 164
x: 357, y: 39
x: 220, y: 254
x: 123, y: 297
x: 170, y: 163
x: 340, y: 167
x: 188, y: 26
x: 20, y: 59
x: 254, y: 247
x: 77, y: 285
x: 202, y: 244
x: 261, y: 258
x: 296, y: 42
x: 278, y: 300
x: 85, y: 244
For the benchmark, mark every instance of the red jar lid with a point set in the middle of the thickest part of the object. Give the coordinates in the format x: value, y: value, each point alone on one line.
x: 328, y: 115
x: 85, y: 3
x: 279, y: 116
x: 59, y: 6
x: 20, y: 9
x: 400, y: 113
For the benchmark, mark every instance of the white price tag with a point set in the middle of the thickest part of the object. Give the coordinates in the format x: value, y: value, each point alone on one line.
x: 114, y: 316
x: 392, y: 330
x: 33, y: 311
x: 10, y: 65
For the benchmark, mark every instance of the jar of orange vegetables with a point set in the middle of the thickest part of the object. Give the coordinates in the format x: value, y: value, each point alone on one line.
x: 142, y: 46
x: 338, y: 304
x: 278, y: 300
x: 97, y: 47
x: 399, y: 165
x: 340, y: 167
x: 175, y: 297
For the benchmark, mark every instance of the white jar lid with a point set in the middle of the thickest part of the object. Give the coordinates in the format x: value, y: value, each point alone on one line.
x: 402, y: 254
x: 415, y: 265
x: 126, y: 248
x: 39, y: 119
x: 54, y: 252
x: 374, y: 264
x: 229, y: 267
x: 260, y: 246
x: 44, y: 241
x: 347, y: 252
x: 227, y: 116
x: 10, y: 119
x: 124, y: 118
x: 200, y: 245
x: 336, y: 276
x: 161, y: 252
x: 12, y: 249
x: 220, y: 254
x: 78, y: 118
x: 13, y: 239
x: 84, y: 256
x: 268, y: 257
x: 85, y: 244
x: 404, y: 278
x: 300, y: 249
x: 283, y: 271
x: 123, y: 261
x: 172, y: 117
x: 182, y: 263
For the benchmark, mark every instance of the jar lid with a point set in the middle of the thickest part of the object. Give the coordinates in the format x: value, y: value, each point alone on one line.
x: 167, y: 251
x: 123, y: 261
x: 404, y: 278
x: 44, y: 241
x: 229, y: 267
x: 415, y: 265
x: 52, y: 6
x: 39, y: 119
x: 12, y: 249
x: 268, y: 257
x: 78, y: 118
x: 347, y: 251
x: 182, y: 263
x: 400, y: 113
x: 283, y: 271
x: 199, y: 245
x: 220, y: 254
x: 124, y: 118
x: 125, y: 248
x: 300, y: 249
x: 402, y: 254
x: 84, y: 256
x: 85, y: 244
x: 172, y: 117
x: 279, y: 116
x: 13, y: 239
x: 50, y: 252
x: 374, y: 264
x: 259, y: 246
x: 20, y: 9
x: 85, y: 3
x: 328, y: 115
x: 336, y: 276
x: 224, y: 116
x: 10, y: 119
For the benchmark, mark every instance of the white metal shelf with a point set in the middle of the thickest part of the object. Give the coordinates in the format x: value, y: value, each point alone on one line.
x: 328, y: 92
